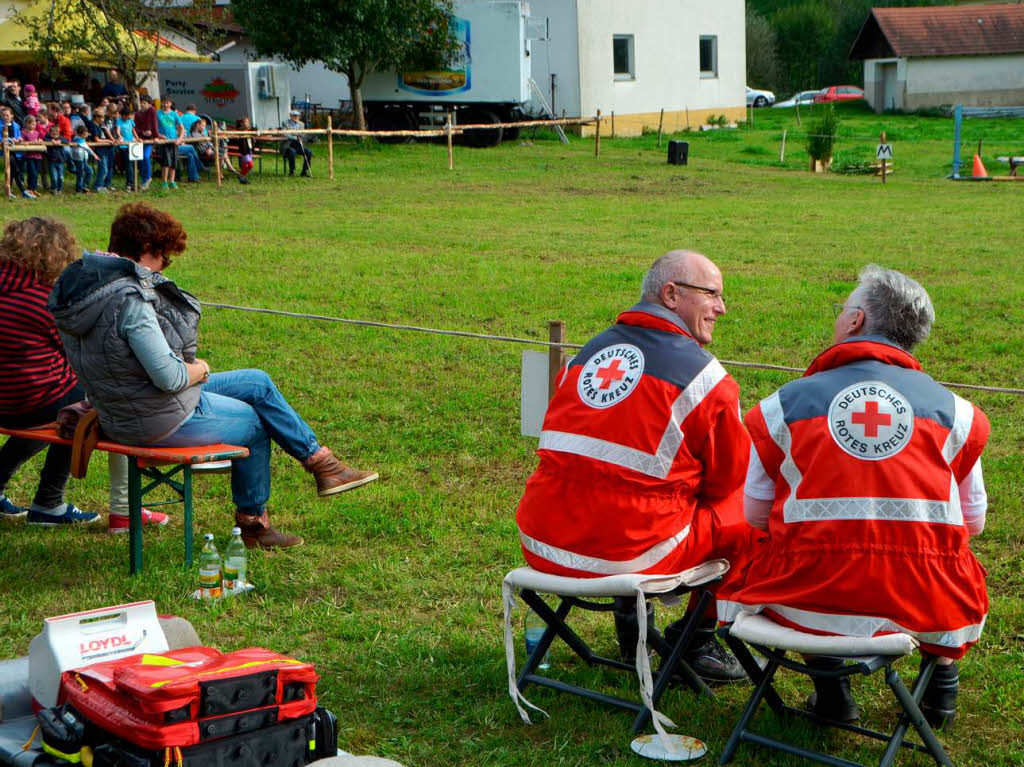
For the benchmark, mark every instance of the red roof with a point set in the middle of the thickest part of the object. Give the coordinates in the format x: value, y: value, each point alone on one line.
x: 967, y: 30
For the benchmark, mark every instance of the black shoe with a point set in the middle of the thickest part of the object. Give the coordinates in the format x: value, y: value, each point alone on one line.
x: 626, y: 627
x: 712, y: 662
x: 939, y: 702
x: 306, y: 174
x: 243, y: 180
x: 832, y: 698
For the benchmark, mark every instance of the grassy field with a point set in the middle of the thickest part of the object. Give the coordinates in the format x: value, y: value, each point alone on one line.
x: 395, y: 595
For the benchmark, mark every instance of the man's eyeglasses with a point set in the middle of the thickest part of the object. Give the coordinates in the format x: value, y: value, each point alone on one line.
x: 715, y: 294
x: 838, y: 309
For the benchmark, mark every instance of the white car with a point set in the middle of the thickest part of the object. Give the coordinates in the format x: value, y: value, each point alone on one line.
x: 758, y: 98
x: 802, y: 98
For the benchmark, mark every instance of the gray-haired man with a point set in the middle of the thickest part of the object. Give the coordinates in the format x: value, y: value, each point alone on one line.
x: 866, y: 473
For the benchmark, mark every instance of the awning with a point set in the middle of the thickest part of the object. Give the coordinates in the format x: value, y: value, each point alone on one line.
x: 14, y: 48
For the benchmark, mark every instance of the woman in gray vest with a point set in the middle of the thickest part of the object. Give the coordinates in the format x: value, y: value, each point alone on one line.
x: 131, y: 336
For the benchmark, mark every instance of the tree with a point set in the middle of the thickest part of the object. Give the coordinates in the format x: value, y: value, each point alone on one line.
x: 352, y: 37
x: 123, y: 34
x: 762, y: 55
x: 804, y: 33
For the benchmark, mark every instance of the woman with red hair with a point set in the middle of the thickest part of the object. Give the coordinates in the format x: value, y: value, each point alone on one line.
x: 131, y: 335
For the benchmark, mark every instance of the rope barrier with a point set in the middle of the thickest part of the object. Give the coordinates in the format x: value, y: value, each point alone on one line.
x: 534, y: 342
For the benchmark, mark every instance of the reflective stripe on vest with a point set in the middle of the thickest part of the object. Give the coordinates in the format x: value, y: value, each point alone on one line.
x: 794, y: 509
x: 586, y: 564
x: 657, y: 464
x: 854, y: 625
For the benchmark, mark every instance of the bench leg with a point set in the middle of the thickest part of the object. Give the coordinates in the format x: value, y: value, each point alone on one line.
x: 186, y: 498
x: 134, y: 517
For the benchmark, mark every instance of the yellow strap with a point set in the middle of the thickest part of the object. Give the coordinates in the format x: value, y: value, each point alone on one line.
x: 81, y: 681
x: 250, y: 664
x: 160, y: 660
x: 167, y: 757
x: 180, y: 758
x: 28, y: 745
x: 73, y: 758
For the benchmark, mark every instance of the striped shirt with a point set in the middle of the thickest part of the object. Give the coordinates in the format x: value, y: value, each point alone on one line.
x: 33, y: 369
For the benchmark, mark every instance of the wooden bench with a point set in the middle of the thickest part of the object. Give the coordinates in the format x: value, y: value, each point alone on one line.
x: 146, y: 462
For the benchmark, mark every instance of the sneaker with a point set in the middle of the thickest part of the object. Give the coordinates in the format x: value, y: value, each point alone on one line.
x: 71, y: 516
x: 28, y: 195
x: 714, y: 663
x: 165, y: 185
x: 118, y: 523
x: 174, y: 185
x: 144, y: 186
x: 9, y: 511
x: 332, y: 476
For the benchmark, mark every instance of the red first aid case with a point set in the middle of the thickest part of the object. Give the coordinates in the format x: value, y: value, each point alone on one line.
x: 185, y: 697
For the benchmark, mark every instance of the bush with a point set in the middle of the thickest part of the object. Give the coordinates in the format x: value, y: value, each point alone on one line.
x: 821, y: 139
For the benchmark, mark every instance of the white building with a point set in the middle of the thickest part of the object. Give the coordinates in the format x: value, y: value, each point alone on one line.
x: 926, y: 57
x: 687, y: 57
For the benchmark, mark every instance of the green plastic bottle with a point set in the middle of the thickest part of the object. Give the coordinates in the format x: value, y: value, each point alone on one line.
x: 209, y: 569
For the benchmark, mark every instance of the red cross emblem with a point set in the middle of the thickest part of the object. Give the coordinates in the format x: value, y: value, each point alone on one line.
x: 610, y: 374
x: 871, y: 419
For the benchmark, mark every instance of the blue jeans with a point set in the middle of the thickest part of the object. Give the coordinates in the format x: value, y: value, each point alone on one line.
x: 32, y: 166
x: 146, y: 165
x: 244, y: 407
x: 83, y: 173
x: 106, y: 178
x: 192, y: 161
x: 56, y: 176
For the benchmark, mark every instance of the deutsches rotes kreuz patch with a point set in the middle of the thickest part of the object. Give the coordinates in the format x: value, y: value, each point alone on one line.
x: 611, y: 375
x: 871, y: 420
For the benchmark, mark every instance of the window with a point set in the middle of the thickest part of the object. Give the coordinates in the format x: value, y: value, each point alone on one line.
x: 708, y: 55
x: 622, y: 57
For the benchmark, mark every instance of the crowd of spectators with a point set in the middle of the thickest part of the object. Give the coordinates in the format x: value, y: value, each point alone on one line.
x: 90, y: 142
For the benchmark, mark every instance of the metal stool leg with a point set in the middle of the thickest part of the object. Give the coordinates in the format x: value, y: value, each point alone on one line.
x: 748, y: 713
x: 912, y: 715
x: 134, y: 517
x: 186, y: 497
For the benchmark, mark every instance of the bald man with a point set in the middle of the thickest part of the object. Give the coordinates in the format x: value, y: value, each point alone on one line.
x: 643, y: 454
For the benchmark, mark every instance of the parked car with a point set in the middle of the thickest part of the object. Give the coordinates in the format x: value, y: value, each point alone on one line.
x: 839, y: 93
x: 801, y: 98
x: 758, y: 98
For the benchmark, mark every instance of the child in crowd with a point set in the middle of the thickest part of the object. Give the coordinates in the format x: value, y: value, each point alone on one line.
x: 80, y: 154
x: 204, y: 149
x: 31, y: 134
x: 173, y: 131
x: 126, y: 132
x: 55, y: 158
x: 225, y: 160
x: 31, y: 100
x: 245, y: 150
x: 75, y: 115
x: 104, y: 151
x: 13, y: 132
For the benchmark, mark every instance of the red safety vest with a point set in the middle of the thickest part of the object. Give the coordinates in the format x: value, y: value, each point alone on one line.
x: 643, y: 429
x: 866, y: 533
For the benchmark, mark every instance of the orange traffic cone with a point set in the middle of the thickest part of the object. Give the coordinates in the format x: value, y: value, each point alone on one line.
x: 979, y: 169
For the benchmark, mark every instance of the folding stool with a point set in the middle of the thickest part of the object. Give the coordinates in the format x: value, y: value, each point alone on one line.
x: 862, y: 656
x: 579, y: 593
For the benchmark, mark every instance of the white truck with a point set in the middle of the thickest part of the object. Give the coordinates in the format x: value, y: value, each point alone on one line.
x: 228, y: 91
x: 489, y: 81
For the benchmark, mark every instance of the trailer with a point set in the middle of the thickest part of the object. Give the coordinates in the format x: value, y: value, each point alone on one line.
x: 488, y: 82
x: 228, y: 91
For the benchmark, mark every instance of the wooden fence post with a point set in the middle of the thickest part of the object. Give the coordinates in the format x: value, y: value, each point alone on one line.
x: 613, y: 123
x: 448, y: 139
x: 556, y: 354
x: 216, y: 152
x: 597, y: 135
x: 330, y: 147
x: 7, y: 164
x: 661, y: 123
x: 687, y: 117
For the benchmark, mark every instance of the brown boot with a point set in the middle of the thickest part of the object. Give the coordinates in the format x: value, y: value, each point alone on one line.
x: 332, y: 476
x: 258, y: 534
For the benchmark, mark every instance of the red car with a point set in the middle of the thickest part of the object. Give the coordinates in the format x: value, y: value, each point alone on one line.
x: 839, y: 93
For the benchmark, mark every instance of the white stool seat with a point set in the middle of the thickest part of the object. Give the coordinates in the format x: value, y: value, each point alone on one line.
x: 615, y: 585
x: 762, y: 630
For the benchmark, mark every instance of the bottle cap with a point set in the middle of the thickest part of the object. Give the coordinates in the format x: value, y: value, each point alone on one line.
x: 236, y: 531
x: 208, y: 537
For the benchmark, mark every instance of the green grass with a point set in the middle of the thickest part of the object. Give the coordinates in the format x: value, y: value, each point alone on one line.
x: 395, y: 595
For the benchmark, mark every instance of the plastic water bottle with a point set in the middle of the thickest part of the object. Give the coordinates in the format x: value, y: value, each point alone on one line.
x: 234, y: 562
x: 535, y: 627
x: 209, y: 569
